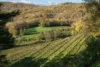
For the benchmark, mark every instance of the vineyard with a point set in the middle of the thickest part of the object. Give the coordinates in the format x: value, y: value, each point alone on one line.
x: 42, y: 55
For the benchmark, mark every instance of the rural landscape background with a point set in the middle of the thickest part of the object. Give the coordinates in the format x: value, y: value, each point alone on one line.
x: 65, y: 34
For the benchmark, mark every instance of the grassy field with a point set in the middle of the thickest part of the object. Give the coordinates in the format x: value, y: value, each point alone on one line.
x: 44, y: 54
x: 33, y: 33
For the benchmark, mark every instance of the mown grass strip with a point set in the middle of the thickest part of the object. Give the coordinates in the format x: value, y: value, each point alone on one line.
x: 52, y: 47
x: 83, y: 46
x: 49, y: 46
x: 17, y: 54
x: 78, y: 46
x: 67, y: 51
x: 28, y: 53
x: 58, y: 56
x: 62, y: 46
x: 55, y: 47
x: 50, y: 58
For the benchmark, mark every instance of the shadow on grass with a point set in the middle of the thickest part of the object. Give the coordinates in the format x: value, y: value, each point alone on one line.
x: 28, y: 62
x: 68, y: 61
x: 86, y: 58
x: 29, y: 32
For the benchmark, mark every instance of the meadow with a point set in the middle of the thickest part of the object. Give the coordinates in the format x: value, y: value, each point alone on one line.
x: 45, y: 54
x: 34, y: 32
x: 31, y: 35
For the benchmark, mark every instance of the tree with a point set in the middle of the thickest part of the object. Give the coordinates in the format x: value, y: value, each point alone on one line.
x: 91, y: 54
x: 12, y: 29
x: 6, y: 39
x: 78, y: 27
x: 93, y: 16
x: 43, y: 18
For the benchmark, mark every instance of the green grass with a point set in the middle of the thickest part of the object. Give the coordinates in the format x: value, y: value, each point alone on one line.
x: 65, y: 49
x: 50, y: 51
x: 33, y: 33
x: 31, y: 36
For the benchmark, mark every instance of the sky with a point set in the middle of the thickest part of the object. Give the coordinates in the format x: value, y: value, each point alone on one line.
x: 42, y: 2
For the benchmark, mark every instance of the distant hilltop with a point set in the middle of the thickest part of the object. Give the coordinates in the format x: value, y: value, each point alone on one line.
x: 67, y: 12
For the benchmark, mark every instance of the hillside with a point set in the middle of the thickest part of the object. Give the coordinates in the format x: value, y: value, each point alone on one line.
x: 31, y: 15
x: 51, y: 54
x: 65, y: 12
x: 62, y: 35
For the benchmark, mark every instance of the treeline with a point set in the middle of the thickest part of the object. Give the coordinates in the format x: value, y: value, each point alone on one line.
x: 44, y: 36
x: 45, y: 16
x: 54, y: 34
x: 6, y: 39
x: 15, y: 27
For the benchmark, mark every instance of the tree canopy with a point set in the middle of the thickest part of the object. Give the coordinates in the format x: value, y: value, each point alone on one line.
x: 6, y: 39
x: 93, y: 16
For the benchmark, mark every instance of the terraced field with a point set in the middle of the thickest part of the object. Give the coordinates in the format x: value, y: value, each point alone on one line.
x: 42, y: 55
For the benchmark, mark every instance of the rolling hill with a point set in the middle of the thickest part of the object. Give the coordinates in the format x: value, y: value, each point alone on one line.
x: 67, y: 12
x: 46, y: 54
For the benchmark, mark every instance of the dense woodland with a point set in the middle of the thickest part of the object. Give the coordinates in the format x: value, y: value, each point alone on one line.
x: 63, y: 35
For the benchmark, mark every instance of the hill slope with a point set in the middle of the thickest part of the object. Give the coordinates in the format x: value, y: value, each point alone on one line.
x: 46, y: 54
x: 66, y: 12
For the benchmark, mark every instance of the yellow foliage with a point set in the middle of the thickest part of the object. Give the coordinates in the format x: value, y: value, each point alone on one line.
x: 44, y: 15
x: 95, y: 33
x: 78, y: 27
x: 11, y: 28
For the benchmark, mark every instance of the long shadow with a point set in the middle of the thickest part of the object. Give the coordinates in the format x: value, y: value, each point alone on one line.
x: 28, y: 62
x: 29, y: 32
x: 92, y: 54
x: 68, y: 61
x: 85, y: 58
